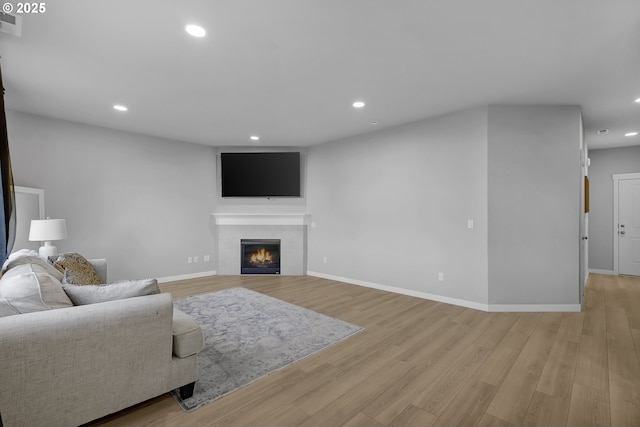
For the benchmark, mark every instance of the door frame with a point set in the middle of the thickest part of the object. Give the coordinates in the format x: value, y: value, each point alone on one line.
x: 23, y: 220
x: 583, y: 224
x: 616, y: 180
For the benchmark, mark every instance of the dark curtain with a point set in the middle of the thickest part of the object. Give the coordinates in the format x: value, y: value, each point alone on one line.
x: 8, y: 213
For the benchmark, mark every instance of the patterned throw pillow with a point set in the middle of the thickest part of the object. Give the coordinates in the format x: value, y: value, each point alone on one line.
x: 76, y: 269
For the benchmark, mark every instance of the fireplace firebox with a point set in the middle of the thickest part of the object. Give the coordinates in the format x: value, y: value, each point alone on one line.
x: 260, y: 256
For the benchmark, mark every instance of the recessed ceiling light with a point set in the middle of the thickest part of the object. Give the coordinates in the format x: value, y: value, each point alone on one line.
x: 358, y: 104
x: 631, y: 134
x: 195, y: 30
x: 374, y: 122
x: 120, y: 107
x: 254, y: 138
x: 638, y: 100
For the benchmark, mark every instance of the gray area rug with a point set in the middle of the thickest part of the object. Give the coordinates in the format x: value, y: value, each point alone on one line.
x: 249, y: 335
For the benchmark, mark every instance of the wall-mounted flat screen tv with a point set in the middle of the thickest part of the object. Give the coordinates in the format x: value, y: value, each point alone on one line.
x: 272, y: 174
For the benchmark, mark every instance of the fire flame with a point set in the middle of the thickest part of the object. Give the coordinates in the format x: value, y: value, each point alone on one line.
x: 262, y: 256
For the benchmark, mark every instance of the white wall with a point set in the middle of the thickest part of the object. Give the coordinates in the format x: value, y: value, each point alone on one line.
x: 391, y: 207
x: 144, y: 203
x: 534, y: 204
x: 604, y: 164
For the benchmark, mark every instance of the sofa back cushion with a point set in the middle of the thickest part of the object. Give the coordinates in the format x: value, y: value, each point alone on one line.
x: 30, y: 287
x: 91, y: 294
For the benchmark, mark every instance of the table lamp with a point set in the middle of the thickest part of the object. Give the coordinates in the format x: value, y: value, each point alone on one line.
x: 46, y: 230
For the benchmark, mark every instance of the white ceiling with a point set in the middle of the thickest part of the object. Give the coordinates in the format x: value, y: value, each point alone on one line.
x: 288, y: 70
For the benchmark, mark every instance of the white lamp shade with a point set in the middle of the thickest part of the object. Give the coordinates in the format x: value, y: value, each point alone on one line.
x: 45, y: 230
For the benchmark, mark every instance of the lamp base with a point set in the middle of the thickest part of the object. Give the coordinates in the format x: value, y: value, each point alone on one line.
x: 48, y: 250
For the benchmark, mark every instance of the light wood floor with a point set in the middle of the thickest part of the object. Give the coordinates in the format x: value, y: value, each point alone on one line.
x: 422, y: 363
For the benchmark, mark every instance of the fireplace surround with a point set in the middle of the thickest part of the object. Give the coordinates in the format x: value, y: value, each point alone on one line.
x: 290, y: 229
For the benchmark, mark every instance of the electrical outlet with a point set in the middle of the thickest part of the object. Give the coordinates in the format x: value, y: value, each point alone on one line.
x: 469, y: 223
x: 195, y: 259
x: 324, y: 259
x: 206, y: 258
x: 441, y: 276
x: 189, y: 260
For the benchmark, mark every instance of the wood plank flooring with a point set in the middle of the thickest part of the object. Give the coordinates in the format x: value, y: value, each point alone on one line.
x: 423, y: 363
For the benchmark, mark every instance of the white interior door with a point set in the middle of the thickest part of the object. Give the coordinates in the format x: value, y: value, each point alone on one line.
x: 628, y: 232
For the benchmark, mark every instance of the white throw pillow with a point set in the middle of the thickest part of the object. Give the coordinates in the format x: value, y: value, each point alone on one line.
x: 29, y: 288
x: 29, y: 256
x: 91, y: 294
x: 7, y: 309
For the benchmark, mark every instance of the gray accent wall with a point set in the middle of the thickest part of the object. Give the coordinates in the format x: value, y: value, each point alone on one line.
x: 143, y: 203
x: 604, y: 164
x: 391, y: 207
x: 534, y: 204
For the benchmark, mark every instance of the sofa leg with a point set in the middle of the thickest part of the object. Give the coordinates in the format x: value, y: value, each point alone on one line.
x: 186, y: 391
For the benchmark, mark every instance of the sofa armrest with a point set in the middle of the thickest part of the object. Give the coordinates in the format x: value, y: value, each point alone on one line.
x: 100, y: 264
x: 73, y: 357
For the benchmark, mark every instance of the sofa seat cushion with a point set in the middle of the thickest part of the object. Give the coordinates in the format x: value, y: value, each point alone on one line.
x: 30, y: 287
x: 91, y: 294
x: 188, y: 338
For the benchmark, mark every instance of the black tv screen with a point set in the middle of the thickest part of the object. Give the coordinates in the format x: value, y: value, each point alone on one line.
x: 275, y: 174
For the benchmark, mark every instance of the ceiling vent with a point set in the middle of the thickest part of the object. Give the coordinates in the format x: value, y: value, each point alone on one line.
x: 602, y: 132
x: 11, y: 24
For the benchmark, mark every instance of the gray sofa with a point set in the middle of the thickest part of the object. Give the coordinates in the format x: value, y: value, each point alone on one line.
x: 65, y: 365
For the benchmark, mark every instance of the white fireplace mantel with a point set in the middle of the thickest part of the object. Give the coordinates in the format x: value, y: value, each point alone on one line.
x: 261, y: 219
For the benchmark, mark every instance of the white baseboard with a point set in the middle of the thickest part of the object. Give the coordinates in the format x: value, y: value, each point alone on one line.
x: 186, y: 276
x: 423, y: 295
x: 526, y: 308
x: 455, y: 301
x: 596, y: 271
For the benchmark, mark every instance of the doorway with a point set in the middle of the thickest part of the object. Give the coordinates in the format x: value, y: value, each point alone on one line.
x: 626, y: 227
